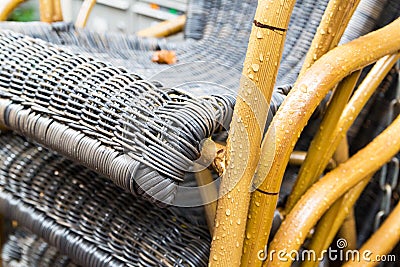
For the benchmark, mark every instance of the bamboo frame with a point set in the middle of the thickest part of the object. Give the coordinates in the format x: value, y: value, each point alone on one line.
x: 298, y: 157
x: 332, y: 220
x: 84, y: 13
x: 7, y: 7
x: 326, y: 191
x: 382, y: 241
x: 164, y: 29
x: 296, y: 110
x: 312, y: 168
x: 247, y: 126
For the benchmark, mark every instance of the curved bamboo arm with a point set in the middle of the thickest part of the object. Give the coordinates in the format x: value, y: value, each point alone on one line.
x: 297, y: 109
x: 326, y: 191
x: 381, y: 242
x: 6, y: 7
x: 246, y: 129
x: 84, y: 13
x: 308, y: 174
x: 165, y: 28
x: 50, y: 10
x: 332, y: 220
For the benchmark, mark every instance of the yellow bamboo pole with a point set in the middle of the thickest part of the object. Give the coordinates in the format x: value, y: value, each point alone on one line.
x: 327, y: 190
x: 348, y: 229
x: 309, y: 172
x: 243, y: 147
x: 6, y: 7
x: 46, y: 10
x: 294, y: 113
x: 297, y: 158
x: 165, y: 28
x: 330, y: 223
x: 333, y: 23
x: 380, y: 243
x: 332, y: 220
x: 204, y: 177
x: 84, y: 13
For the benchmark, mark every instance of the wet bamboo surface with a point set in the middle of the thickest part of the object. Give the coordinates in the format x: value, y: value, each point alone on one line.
x: 84, y: 13
x: 313, y: 167
x: 333, y: 24
x: 326, y: 191
x: 381, y: 242
x: 50, y: 10
x: 296, y: 110
x: 246, y: 129
x: 165, y: 28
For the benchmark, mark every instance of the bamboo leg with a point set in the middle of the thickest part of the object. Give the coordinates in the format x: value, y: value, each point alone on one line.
x: 326, y: 191
x: 246, y: 129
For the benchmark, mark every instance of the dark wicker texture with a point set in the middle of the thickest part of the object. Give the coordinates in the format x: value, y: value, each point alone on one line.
x: 88, y: 218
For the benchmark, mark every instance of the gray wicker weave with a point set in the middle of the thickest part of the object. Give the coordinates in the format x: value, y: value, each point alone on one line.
x: 88, y: 218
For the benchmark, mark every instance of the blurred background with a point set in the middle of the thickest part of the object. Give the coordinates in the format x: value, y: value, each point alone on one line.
x: 127, y: 16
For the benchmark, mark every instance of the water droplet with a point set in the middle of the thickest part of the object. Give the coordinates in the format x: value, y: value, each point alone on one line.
x: 228, y: 212
x: 215, y: 257
x: 303, y: 88
x: 248, y: 236
x: 322, y: 31
x: 255, y: 67
x: 261, y: 57
x: 257, y: 204
x: 259, y: 34
x: 251, y: 76
x: 238, y: 221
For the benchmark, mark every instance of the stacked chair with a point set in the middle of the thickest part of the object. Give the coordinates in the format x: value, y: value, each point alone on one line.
x: 102, y: 138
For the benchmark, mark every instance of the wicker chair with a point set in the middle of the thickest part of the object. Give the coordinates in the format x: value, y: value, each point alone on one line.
x: 120, y: 124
